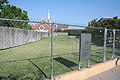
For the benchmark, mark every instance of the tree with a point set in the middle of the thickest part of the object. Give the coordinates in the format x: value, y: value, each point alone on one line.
x: 3, y: 3
x: 110, y: 23
x: 98, y: 34
x: 12, y: 12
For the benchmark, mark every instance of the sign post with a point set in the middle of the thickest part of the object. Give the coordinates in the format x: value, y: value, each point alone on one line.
x: 85, y: 48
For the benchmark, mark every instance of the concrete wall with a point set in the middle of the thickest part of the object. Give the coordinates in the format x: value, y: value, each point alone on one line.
x: 10, y: 37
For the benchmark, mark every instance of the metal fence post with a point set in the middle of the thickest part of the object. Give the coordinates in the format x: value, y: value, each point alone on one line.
x: 113, y: 51
x: 88, y: 63
x: 79, y: 64
x: 52, y: 56
x: 104, y: 50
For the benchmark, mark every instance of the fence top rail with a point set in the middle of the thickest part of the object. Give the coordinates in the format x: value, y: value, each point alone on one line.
x: 53, y: 23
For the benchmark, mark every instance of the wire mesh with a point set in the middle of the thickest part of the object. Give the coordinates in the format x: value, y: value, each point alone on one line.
x: 24, y: 53
x: 96, y: 45
x: 37, y: 54
x: 66, y: 53
x: 109, y: 42
x: 117, y: 43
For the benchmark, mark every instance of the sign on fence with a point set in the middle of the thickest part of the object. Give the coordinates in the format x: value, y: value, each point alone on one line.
x: 85, y: 47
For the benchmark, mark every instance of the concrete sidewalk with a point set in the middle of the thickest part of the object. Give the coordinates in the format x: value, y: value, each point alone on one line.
x: 112, y: 74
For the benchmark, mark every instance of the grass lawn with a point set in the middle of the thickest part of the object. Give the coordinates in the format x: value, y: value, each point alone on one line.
x: 32, y: 61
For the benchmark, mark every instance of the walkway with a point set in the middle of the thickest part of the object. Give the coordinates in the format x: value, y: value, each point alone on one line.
x: 112, y: 74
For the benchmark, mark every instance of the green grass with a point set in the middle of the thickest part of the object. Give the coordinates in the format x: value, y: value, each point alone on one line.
x: 32, y: 61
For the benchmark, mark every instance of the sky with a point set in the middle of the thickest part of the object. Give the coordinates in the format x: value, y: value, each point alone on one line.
x: 78, y: 12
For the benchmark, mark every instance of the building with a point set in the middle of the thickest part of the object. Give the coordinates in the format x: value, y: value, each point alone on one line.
x: 104, y: 19
x: 43, y: 26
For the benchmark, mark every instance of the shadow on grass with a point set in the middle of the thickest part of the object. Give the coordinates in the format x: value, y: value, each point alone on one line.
x: 66, y: 62
x: 97, y: 43
x: 77, y: 54
x: 96, y: 61
x: 8, y: 78
x: 22, y: 78
x: 38, y: 68
x: 97, y: 56
x: 118, y: 54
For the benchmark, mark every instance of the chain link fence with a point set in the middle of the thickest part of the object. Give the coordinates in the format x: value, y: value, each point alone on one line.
x: 97, y: 45
x: 24, y: 53
x: 66, y: 53
x: 117, y: 43
x: 48, y: 49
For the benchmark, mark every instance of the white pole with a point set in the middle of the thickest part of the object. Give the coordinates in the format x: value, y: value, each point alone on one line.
x: 49, y: 16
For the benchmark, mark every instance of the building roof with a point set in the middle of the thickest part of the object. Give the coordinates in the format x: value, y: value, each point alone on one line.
x: 38, y: 25
x: 104, y: 19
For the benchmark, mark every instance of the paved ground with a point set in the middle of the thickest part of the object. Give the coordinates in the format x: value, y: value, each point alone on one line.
x: 112, y: 74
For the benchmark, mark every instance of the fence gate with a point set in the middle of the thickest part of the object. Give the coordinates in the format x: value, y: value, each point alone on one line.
x: 109, y: 41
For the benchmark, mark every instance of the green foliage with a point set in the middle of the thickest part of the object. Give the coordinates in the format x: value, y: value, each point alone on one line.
x: 75, y: 32
x: 3, y: 3
x: 97, y: 35
x: 110, y: 23
x: 12, y: 12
